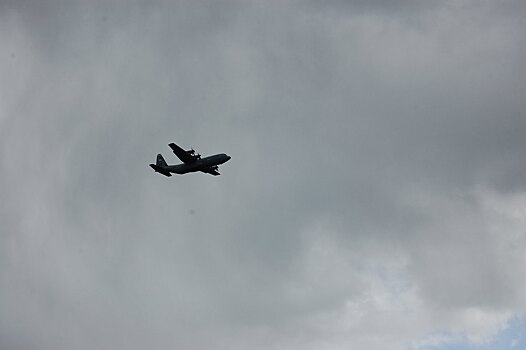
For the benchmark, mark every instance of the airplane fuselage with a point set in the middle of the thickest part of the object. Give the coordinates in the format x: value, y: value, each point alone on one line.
x: 198, y: 165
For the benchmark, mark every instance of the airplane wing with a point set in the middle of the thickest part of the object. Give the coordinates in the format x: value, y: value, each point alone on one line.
x: 211, y: 170
x: 183, y: 155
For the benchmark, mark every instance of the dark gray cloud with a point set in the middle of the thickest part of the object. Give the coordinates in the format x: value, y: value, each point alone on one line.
x: 375, y: 195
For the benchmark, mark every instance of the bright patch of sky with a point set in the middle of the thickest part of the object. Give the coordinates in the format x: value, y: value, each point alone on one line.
x: 512, y: 337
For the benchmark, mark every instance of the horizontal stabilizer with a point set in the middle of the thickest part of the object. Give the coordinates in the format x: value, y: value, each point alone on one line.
x: 161, y: 170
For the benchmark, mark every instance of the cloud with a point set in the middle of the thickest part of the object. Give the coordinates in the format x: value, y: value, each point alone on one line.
x: 375, y: 197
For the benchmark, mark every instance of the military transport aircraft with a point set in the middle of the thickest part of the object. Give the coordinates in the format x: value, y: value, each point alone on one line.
x: 191, y: 162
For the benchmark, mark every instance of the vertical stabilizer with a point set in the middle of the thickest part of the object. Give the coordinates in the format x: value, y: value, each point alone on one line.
x: 160, y: 160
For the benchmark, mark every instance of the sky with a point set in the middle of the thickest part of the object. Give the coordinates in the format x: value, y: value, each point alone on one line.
x: 375, y: 198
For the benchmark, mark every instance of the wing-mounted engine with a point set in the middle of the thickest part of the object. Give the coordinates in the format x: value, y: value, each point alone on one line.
x: 213, y: 170
x: 193, y: 153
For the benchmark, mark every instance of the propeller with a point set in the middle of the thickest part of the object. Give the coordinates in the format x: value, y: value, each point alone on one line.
x: 193, y: 153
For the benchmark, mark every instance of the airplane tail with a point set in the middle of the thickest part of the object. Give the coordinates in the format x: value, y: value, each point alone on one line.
x: 159, y: 166
x: 160, y: 160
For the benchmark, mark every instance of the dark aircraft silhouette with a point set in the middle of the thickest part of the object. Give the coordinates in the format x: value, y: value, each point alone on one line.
x: 192, y: 162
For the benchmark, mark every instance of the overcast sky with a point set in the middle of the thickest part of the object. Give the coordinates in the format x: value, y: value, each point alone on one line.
x: 376, y: 196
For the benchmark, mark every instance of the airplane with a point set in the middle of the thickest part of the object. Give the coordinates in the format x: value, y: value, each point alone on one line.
x: 192, y: 162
